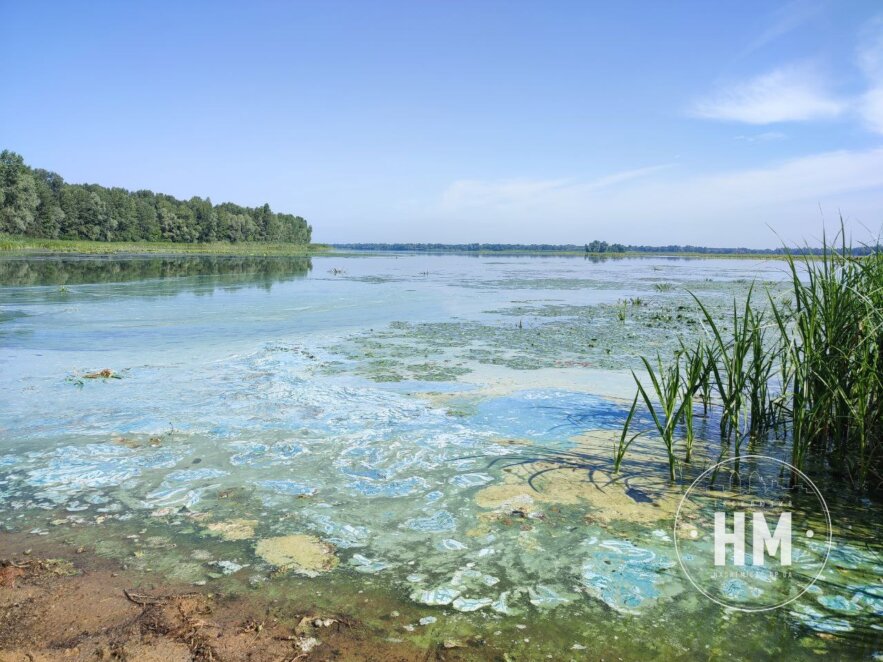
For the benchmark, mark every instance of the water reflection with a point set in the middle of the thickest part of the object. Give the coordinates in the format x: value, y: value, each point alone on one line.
x: 178, y: 273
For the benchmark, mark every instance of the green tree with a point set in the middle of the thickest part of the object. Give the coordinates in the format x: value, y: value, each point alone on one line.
x: 39, y: 203
x: 18, y: 195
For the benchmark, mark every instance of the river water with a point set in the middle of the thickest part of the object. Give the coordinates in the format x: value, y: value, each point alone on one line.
x: 366, y: 425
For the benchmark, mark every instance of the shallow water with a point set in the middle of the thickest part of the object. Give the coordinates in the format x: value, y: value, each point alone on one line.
x: 386, y: 405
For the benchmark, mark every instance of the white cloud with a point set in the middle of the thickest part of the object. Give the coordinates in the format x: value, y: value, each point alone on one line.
x: 720, y: 209
x: 792, y: 93
x: 798, y: 92
x: 870, y: 60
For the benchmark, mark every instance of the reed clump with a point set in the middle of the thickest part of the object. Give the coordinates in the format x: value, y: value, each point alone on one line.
x: 807, y: 369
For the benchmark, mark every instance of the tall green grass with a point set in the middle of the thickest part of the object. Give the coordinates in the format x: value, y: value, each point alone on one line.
x: 807, y: 369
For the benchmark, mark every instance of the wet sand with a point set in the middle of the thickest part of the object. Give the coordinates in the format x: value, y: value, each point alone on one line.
x: 67, y: 604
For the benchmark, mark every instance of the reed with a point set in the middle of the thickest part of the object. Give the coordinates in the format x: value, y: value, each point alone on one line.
x: 625, y: 441
x: 808, y: 369
x: 666, y: 408
x: 696, y: 382
x: 837, y: 353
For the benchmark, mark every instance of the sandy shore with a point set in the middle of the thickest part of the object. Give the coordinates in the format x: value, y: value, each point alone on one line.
x: 58, y: 604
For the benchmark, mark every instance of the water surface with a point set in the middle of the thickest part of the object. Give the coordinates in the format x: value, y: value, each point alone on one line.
x: 387, y: 405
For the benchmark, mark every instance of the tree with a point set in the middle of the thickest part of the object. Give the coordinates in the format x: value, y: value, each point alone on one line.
x: 38, y: 203
x: 18, y: 195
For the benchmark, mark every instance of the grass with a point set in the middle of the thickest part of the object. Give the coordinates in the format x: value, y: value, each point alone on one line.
x: 11, y: 244
x: 807, y: 369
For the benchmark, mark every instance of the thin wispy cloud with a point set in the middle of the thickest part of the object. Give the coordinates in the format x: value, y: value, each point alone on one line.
x: 718, y: 208
x: 871, y: 108
x: 870, y: 60
x: 785, y: 19
x: 765, y: 137
x: 499, y: 194
x: 793, y: 93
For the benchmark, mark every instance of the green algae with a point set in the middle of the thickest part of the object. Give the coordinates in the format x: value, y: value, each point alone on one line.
x: 528, y: 336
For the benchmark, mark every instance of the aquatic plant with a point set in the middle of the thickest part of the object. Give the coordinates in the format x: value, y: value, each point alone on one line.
x: 809, y: 367
x: 836, y: 358
x: 668, y: 389
x: 696, y: 381
x: 625, y: 441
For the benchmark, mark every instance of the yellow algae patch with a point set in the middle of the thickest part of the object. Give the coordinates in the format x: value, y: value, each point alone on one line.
x: 517, y: 496
x: 234, y: 529
x: 303, y: 554
x: 571, y: 487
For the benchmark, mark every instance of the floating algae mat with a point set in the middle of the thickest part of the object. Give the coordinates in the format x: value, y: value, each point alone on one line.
x: 305, y: 555
x: 393, y: 427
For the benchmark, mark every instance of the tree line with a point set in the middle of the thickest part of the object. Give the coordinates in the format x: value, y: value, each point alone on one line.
x: 39, y: 203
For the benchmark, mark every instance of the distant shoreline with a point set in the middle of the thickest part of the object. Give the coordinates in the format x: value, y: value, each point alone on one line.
x: 338, y: 250
x: 577, y: 251
x: 11, y: 245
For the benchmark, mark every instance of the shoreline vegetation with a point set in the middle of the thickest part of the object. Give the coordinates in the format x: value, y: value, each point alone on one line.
x: 33, y: 245
x: 39, y: 204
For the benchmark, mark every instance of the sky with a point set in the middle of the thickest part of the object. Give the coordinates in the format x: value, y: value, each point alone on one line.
x: 726, y: 123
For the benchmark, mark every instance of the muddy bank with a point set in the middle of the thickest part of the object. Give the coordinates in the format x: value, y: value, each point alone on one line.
x: 67, y: 604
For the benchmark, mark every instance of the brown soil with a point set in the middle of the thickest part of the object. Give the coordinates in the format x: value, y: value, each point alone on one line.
x: 81, y: 607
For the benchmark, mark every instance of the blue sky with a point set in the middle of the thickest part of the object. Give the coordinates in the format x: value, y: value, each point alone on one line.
x: 640, y: 122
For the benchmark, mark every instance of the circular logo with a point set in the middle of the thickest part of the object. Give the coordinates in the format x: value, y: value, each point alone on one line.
x: 752, y: 533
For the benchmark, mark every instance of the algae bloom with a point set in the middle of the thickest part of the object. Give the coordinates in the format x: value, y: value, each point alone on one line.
x: 237, y: 529
x: 303, y: 554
